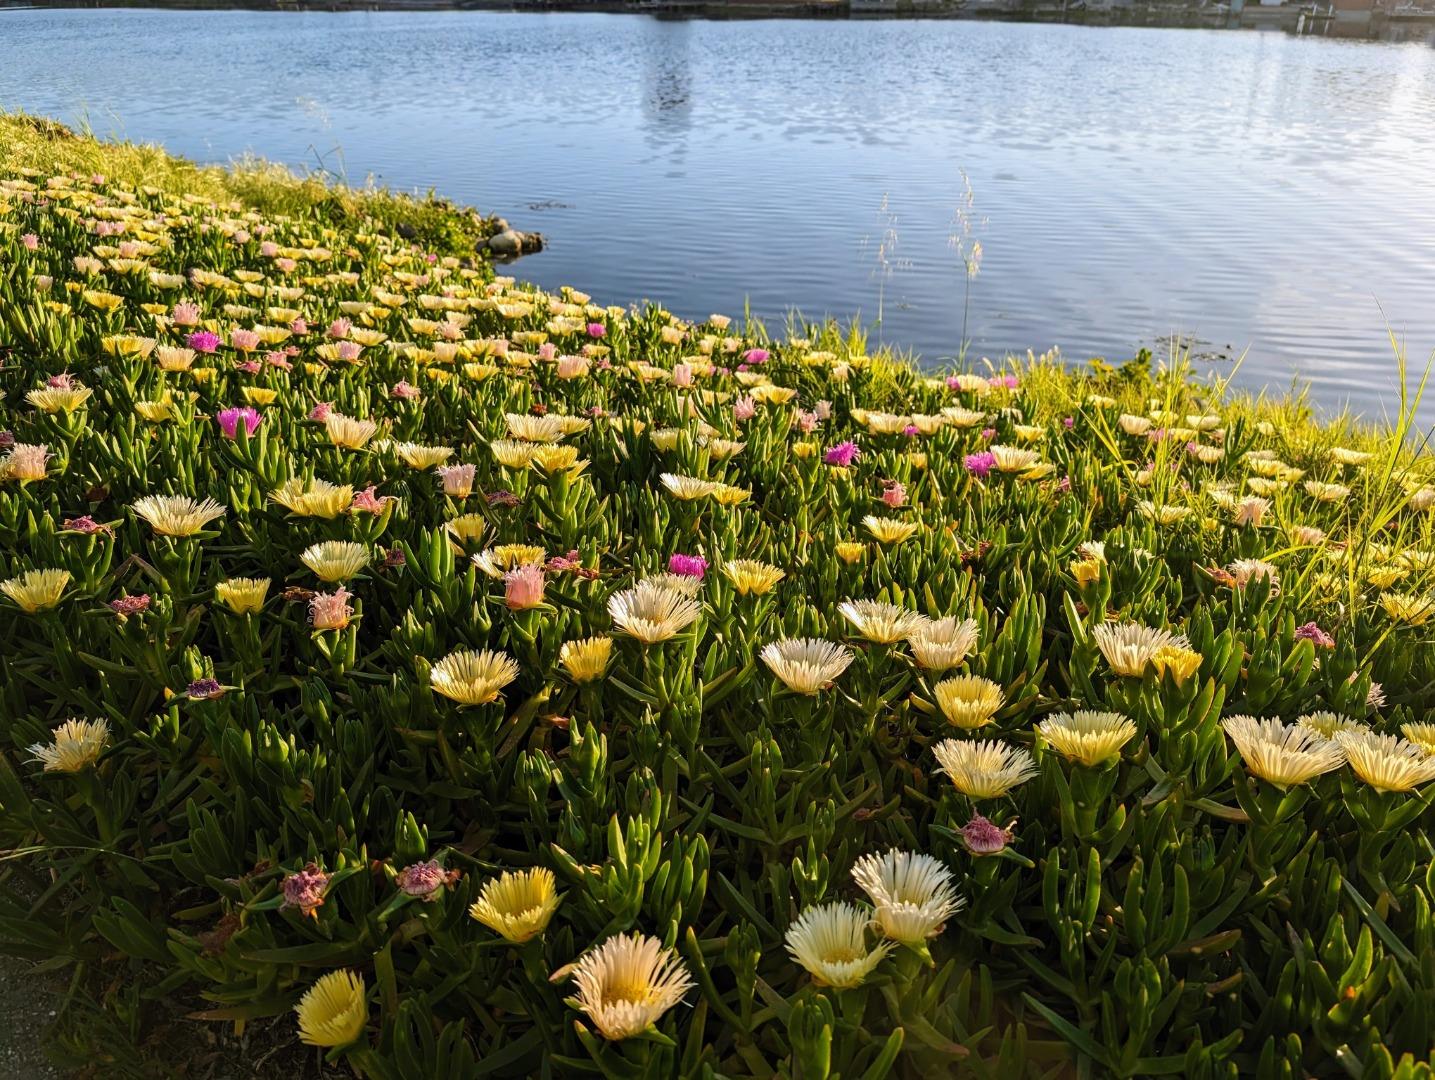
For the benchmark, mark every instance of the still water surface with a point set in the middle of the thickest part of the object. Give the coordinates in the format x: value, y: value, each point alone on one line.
x: 1263, y: 193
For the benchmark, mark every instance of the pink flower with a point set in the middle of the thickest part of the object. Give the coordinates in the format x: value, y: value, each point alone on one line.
x: 744, y: 408
x: 425, y: 880
x: 285, y: 265
x: 321, y: 411
x: 203, y: 341
x: 31, y: 241
x: 331, y: 611
x: 823, y: 410
x: 243, y: 340
x: 269, y: 249
x: 305, y: 890
x: 368, y: 501
x: 403, y: 389
x: 457, y: 480
x: 808, y: 421
x: 340, y: 328
x: 185, y: 314
x: 349, y: 351
x: 299, y: 326
x: 279, y: 360
x: 756, y: 356
x: 1315, y: 635
x: 982, y: 837
x: 228, y: 420
x: 894, y: 494
x: 980, y: 464
x: 84, y: 525
x: 597, y: 330
x: 953, y: 383
x: 989, y: 433
x: 547, y: 351
x: 126, y: 606
x: 249, y: 367
x: 1068, y: 422
x: 682, y: 375
x: 62, y: 381
x: 523, y: 587
x: 911, y: 431
x: 1007, y: 382
x: 843, y: 454
x: 694, y: 566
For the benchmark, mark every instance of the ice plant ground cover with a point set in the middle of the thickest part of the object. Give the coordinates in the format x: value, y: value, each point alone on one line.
x: 485, y: 682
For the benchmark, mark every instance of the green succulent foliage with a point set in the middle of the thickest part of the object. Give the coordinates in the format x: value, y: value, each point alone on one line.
x: 1164, y: 910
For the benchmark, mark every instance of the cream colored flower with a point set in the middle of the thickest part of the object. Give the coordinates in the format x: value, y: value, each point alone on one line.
x: 830, y: 942
x: 627, y: 983
x: 1130, y: 647
x: 1386, y: 762
x: 243, y: 596
x: 56, y: 399
x: 77, y: 745
x: 517, y: 905
x: 968, y: 701
x: 536, y: 429
x: 1421, y: 735
x: 348, y: 433
x: 1326, y: 492
x: 1087, y: 737
x: 912, y: 893
x: 35, y: 591
x: 499, y: 560
x: 652, y: 612
x: 688, y: 488
x: 334, y: 1010
x: 889, y: 530
x: 984, y: 769
x: 418, y: 456
x: 879, y: 621
x: 806, y: 665
x: 473, y: 677
x: 586, y: 660
x: 177, y: 515
x: 1285, y: 755
x: 26, y: 462
x: 1245, y: 571
x: 1164, y: 514
x: 1011, y: 459
x: 335, y: 560
x: 748, y: 576
x: 1326, y: 724
x: 941, y: 644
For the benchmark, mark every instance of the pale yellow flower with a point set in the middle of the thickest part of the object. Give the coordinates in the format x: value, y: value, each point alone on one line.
x: 984, y: 769
x: 968, y: 701
x: 748, y: 576
x: 586, y: 660
x: 806, y: 665
x: 416, y: 456
x: 1014, y: 459
x: 1421, y: 735
x: 473, y: 677
x: 76, y: 746
x: 334, y: 1010
x: 536, y: 429
x: 336, y: 560
x: 243, y: 596
x: 652, y: 612
x: 517, y: 905
x: 1407, y: 608
x: 889, y: 530
x: 912, y: 893
x: 36, y: 590
x: 627, y: 983
x: 1326, y: 724
x: 1385, y: 762
x: 54, y: 399
x: 1087, y: 737
x: 688, y: 488
x: 1285, y: 755
x: 1130, y: 647
x: 940, y: 644
x: 177, y: 515
x: 498, y: 560
x: 313, y: 498
x: 347, y: 433
x: 879, y: 621
x: 830, y: 942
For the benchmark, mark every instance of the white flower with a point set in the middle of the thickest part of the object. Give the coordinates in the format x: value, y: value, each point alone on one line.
x: 912, y: 893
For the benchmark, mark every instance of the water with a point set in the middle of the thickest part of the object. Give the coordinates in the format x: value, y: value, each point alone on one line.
x: 1271, y: 195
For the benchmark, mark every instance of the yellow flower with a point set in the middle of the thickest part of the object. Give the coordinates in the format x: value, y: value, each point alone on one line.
x: 313, y: 498
x: 586, y: 660
x: 517, y: 905
x: 806, y: 665
x: 243, y: 596
x: 748, y: 576
x: 983, y: 769
x: 804, y: 449
x: 1086, y: 571
x: 54, y: 399
x: 37, y: 590
x: 1421, y: 735
x: 879, y: 621
x: 76, y: 746
x: 912, y: 893
x: 1181, y: 663
x: 333, y: 1011
x: 177, y: 515
x: 1130, y: 647
x: 849, y: 551
x: 348, y: 433
x: 1385, y: 762
x: 335, y: 560
x: 627, y: 983
x: 1087, y: 737
x: 260, y: 395
x: 473, y: 677
x: 940, y: 644
x: 497, y: 561
x: 830, y: 942
x: 128, y: 345
x: 1407, y: 608
x: 553, y: 458
x: 730, y: 495
x: 102, y: 301
x: 422, y: 457
x: 174, y: 358
x: 511, y: 454
x: 1285, y: 755
x: 653, y: 612
x: 968, y: 701
x: 889, y: 530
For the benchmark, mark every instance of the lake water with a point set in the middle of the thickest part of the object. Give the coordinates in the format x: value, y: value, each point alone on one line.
x: 1265, y: 193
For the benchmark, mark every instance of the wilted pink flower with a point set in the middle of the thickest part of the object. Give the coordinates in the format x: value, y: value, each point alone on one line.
x: 349, y: 351
x: 229, y: 420
x: 299, y: 326
x: 523, y: 587
x: 125, y: 606
x: 1315, y: 635
x: 894, y: 494
x: 1064, y: 484
x: 243, y: 340
x: 331, y: 611
x: 982, y: 837
x: 201, y: 689
x: 279, y: 360
x: 843, y: 454
x: 340, y: 328
x: 425, y: 880
x: 989, y: 433
x: 185, y: 314
x: 694, y: 566
x: 203, y: 341
x: 980, y: 464
x: 395, y: 558
x: 62, y: 381
x: 368, y: 501
x: 321, y: 411
x: 911, y: 431
x: 744, y: 408
x: 403, y: 389
x: 457, y: 480
x: 84, y: 524
x: 31, y: 241
x: 807, y: 421
x: 248, y: 367
x: 559, y: 563
x: 597, y: 330
x: 503, y: 498
x: 305, y: 890
x: 756, y: 356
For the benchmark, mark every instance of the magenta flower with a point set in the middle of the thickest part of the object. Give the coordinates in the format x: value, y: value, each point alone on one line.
x: 203, y: 341
x: 843, y: 454
x: 1068, y: 422
x: 321, y: 411
x: 982, y: 837
x: 248, y: 367
x: 756, y: 356
x: 229, y: 419
x: 953, y: 383
x: 305, y: 890
x: 1315, y: 635
x: 980, y: 464
x: 911, y: 431
x: 597, y: 330
x: 279, y: 360
x: 130, y: 605
x: 694, y: 566
x: 202, y: 689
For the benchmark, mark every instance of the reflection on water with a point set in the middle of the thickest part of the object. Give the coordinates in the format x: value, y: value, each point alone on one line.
x: 1263, y: 193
